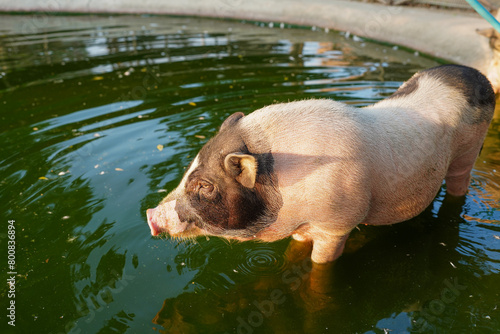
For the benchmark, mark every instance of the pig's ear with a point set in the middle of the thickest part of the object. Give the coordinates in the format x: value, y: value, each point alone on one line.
x: 243, y: 167
x: 233, y: 119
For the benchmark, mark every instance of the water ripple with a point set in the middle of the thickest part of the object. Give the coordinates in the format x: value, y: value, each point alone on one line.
x: 261, y: 260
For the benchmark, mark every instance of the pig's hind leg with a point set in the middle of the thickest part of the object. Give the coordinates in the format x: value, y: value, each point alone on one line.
x: 459, y: 172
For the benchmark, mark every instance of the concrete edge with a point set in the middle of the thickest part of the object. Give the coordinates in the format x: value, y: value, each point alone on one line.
x: 446, y: 34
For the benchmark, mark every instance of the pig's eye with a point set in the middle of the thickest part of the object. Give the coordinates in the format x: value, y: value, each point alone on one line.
x: 206, y: 189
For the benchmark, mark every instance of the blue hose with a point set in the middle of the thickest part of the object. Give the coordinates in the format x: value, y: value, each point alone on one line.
x: 485, y: 14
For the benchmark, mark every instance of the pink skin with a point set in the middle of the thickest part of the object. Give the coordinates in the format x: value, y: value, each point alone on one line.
x: 164, y: 219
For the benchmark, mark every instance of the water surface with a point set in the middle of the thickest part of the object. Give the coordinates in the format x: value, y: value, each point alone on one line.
x: 101, y: 115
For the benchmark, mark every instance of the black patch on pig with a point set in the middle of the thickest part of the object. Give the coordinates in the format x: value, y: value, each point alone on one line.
x: 475, y: 88
x: 231, y: 209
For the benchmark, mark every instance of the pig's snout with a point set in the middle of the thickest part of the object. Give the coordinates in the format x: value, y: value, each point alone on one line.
x: 164, y: 218
x: 155, y: 230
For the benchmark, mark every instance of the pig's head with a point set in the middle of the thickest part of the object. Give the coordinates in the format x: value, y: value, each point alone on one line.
x: 228, y: 190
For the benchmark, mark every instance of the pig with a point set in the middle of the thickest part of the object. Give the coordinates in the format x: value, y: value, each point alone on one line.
x: 315, y: 169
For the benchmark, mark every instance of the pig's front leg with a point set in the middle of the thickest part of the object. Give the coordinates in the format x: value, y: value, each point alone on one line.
x: 326, y: 248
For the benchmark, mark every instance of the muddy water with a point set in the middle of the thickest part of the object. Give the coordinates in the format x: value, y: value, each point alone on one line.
x: 99, y: 118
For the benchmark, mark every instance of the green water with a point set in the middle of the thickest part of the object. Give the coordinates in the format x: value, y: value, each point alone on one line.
x: 99, y: 118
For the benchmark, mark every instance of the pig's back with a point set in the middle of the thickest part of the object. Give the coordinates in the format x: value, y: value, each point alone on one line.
x: 303, y: 127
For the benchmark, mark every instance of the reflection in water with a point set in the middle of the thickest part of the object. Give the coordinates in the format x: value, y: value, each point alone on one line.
x: 100, y: 115
x: 406, y: 274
